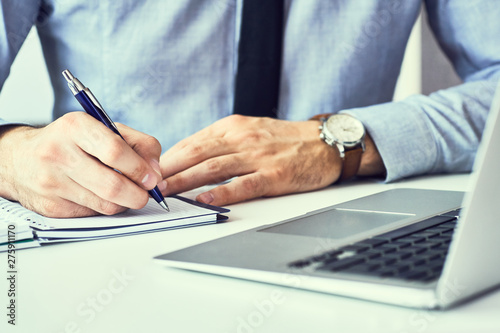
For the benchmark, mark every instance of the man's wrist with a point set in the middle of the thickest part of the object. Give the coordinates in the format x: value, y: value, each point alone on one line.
x: 346, y: 134
x: 10, y: 139
x: 371, y: 161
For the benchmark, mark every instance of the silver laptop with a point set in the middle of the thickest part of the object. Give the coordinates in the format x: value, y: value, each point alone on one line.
x: 409, y: 247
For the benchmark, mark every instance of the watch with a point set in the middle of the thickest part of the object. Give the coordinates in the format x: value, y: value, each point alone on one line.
x: 348, y: 135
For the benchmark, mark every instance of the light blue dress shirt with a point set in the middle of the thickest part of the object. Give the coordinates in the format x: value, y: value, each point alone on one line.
x: 167, y: 67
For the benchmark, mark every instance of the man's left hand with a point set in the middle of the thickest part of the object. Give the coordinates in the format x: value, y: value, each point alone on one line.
x: 268, y: 157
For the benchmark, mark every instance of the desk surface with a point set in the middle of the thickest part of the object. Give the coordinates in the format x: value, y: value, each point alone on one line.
x: 113, y: 285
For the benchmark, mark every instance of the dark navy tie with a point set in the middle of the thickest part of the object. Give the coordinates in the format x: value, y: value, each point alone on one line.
x: 259, y: 58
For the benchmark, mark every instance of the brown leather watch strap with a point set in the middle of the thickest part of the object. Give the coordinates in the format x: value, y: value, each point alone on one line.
x: 320, y: 116
x: 352, y: 158
x: 351, y: 162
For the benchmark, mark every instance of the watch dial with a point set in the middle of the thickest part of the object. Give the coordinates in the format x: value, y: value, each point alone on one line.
x: 345, y: 128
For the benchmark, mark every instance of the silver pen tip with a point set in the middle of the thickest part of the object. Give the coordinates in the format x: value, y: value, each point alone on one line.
x: 164, y: 205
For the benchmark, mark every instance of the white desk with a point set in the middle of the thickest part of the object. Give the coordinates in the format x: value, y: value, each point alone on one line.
x: 74, y: 287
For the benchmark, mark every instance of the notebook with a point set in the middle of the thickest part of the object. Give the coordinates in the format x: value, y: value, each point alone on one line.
x: 23, y: 228
x: 407, y: 247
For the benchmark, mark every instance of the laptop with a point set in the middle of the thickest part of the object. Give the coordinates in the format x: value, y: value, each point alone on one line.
x: 409, y: 247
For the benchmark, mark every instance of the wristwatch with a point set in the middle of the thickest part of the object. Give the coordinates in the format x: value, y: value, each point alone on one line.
x: 348, y: 135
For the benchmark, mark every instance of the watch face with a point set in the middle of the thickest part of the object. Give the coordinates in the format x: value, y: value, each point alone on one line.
x: 345, y: 129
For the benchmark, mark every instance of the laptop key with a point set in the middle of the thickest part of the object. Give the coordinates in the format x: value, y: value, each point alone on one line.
x: 451, y: 224
x: 372, y: 254
x: 441, y: 240
x: 401, y: 267
x: 373, y: 242
x: 436, y: 265
x: 342, y: 264
x: 388, y: 260
x: 432, y: 255
x: 401, y: 232
x: 397, y: 245
x: 387, y: 272
x: 320, y: 257
x: 416, y: 261
x: 414, y: 275
x: 299, y: 263
x: 428, y: 245
x: 368, y: 268
x: 440, y: 229
x: 415, y: 249
x: 398, y: 256
x: 387, y: 249
x: 415, y: 239
x: 333, y: 253
x: 356, y: 248
x: 426, y: 234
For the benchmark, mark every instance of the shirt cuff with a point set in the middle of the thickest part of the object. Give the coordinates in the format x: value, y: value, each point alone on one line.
x: 403, y: 138
x: 4, y: 123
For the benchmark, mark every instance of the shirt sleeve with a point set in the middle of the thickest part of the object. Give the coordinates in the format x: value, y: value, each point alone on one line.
x: 16, y: 20
x: 441, y: 132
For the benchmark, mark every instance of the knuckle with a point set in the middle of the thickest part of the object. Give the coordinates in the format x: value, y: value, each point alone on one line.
x: 279, y: 172
x: 178, y: 181
x: 257, y: 136
x: 114, y: 186
x: 108, y: 208
x: 152, y: 142
x: 138, y: 173
x: 48, y: 152
x: 46, y: 181
x: 140, y: 201
x: 234, y: 119
x: 252, y: 185
x: 69, y: 120
x: 194, y: 150
x: 225, y: 194
x: 213, y: 165
x: 114, y: 149
x: 50, y: 208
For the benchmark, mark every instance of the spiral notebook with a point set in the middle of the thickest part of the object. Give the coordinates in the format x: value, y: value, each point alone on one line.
x: 24, y: 228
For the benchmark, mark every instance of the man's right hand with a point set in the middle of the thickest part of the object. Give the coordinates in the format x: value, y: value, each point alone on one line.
x: 67, y: 168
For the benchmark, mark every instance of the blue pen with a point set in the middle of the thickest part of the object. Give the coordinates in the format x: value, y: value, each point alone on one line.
x: 92, y: 106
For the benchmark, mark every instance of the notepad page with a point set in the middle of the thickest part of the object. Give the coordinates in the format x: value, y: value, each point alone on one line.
x: 15, y: 218
x: 152, y: 212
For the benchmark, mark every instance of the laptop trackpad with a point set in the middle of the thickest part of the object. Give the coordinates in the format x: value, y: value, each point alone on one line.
x: 336, y: 223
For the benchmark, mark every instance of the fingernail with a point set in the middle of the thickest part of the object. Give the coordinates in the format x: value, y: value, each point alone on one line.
x: 206, y: 197
x: 149, y: 181
x: 156, y: 166
x: 162, y: 186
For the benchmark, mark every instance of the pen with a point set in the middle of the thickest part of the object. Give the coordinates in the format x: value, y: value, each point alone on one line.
x: 92, y: 106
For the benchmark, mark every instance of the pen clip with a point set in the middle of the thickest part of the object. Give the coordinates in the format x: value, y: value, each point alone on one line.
x: 94, y: 100
x: 98, y: 105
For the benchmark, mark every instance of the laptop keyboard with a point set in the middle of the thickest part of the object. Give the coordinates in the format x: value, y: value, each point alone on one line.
x: 415, y: 252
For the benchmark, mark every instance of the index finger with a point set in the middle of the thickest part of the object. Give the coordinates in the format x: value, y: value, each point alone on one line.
x: 97, y: 140
x: 193, y: 153
x: 215, y: 140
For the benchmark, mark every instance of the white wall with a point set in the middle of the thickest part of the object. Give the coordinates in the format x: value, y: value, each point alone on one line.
x: 27, y: 94
x: 410, y: 78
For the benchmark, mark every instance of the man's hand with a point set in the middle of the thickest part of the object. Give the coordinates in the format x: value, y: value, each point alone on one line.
x: 66, y: 169
x: 269, y: 157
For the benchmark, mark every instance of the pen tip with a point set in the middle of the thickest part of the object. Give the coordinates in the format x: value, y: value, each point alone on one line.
x: 164, y: 205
